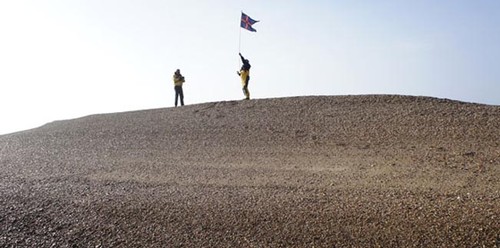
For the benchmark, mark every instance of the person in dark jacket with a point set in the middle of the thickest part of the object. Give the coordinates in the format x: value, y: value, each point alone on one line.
x: 244, y: 73
x: 178, y: 81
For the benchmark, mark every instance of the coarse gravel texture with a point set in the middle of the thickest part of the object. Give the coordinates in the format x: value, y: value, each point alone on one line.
x: 317, y: 171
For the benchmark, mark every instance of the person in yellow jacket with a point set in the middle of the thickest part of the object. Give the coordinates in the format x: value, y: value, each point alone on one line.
x: 244, y: 73
x: 178, y: 81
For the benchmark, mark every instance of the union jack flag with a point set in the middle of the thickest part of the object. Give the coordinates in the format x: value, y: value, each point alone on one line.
x: 247, y: 22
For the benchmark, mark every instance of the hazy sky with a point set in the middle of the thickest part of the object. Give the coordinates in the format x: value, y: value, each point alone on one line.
x: 62, y: 59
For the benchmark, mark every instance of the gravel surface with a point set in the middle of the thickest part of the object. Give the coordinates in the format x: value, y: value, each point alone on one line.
x: 319, y: 171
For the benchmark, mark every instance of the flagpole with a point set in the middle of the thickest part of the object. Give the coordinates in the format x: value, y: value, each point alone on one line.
x: 239, y: 47
x: 239, y: 44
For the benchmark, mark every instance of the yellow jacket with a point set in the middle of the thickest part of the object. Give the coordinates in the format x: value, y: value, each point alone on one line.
x: 178, y: 80
x: 244, y: 75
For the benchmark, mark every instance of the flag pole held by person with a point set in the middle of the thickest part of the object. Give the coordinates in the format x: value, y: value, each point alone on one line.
x: 244, y: 72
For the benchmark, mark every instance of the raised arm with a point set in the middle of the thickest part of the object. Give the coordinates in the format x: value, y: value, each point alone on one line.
x: 242, y: 58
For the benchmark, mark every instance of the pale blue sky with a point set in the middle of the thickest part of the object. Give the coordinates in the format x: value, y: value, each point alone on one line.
x: 62, y: 59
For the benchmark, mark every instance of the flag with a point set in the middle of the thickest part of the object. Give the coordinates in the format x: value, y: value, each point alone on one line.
x: 247, y: 22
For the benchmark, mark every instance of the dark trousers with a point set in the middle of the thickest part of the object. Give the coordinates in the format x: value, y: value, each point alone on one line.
x: 179, y: 93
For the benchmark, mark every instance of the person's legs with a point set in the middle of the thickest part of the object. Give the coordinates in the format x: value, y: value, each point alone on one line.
x: 176, y: 94
x: 245, y: 88
x: 244, y: 81
x: 245, y: 92
x: 181, y: 94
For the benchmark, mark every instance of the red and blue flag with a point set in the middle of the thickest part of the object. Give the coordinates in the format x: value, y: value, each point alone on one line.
x: 247, y: 22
